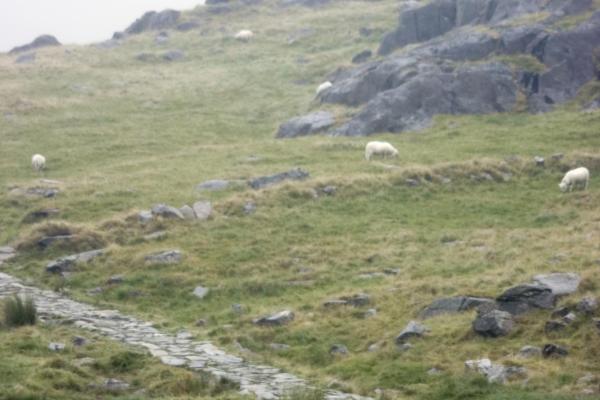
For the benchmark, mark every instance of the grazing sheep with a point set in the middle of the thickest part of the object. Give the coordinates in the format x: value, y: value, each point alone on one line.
x: 38, y: 162
x: 573, y: 178
x: 380, y: 148
x: 324, y: 86
x: 244, y: 35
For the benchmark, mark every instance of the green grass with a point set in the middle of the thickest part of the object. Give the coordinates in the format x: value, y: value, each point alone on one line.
x: 121, y: 135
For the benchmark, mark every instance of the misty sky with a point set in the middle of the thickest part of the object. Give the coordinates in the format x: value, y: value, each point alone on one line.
x: 74, y: 21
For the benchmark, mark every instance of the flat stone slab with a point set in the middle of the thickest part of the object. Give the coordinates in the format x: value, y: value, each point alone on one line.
x: 561, y: 283
x: 213, y: 185
x: 296, y: 174
x: 175, y: 350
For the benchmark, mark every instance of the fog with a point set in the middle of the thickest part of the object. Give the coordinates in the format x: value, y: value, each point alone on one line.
x: 74, y: 21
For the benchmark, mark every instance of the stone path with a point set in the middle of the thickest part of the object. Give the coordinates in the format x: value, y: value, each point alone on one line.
x: 175, y: 350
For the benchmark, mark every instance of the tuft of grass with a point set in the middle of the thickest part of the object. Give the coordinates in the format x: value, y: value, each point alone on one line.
x: 19, y: 311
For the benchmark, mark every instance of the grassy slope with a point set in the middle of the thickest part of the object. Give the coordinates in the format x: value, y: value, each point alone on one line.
x: 123, y: 135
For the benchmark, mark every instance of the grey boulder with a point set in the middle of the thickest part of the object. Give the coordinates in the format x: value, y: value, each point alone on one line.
x: 201, y: 292
x: 452, y: 305
x: 493, y: 323
x: 560, y: 283
x: 203, y: 210
x: 412, y: 330
x: 165, y: 211
x: 40, y: 41
x: 153, y: 20
x: 277, y: 319
x: 523, y: 298
x: 296, y: 174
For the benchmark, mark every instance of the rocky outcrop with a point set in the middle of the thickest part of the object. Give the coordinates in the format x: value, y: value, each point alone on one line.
x: 153, y: 20
x: 403, y: 91
x: 523, y: 298
x: 40, y: 41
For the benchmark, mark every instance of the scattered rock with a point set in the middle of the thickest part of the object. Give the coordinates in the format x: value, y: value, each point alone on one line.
x: 161, y: 38
x: 154, y: 21
x: 213, y: 185
x: 237, y: 308
x: 165, y: 211
x: 79, y: 341
x: 523, y: 298
x: 40, y: 192
x: 557, y: 157
x: 494, y: 323
x: 145, y: 216
x: 164, y: 257
x: 201, y: 292
x: 495, y: 373
x: 65, y: 264
x: 560, y: 283
x: 187, y: 212
x: 588, y: 305
x: 357, y: 300
x: 413, y: 329
x: 56, y: 346
x: 554, y: 351
x: 362, y: 57
x: 554, y: 326
x: 452, y: 305
x: 40, y: 41
x: 28, y: 58
x: 83, y: 362
x: 339, y: 349
x: 201, y: 323
x: 203, y: 210
x: 539, y: 161
x: 38, y: 215
x: 373, y: 347
x: 173, y: 55
x: 561, y: 312
x: 370, y: 313
x: 249, y: 208
x: 296, y: 174
x: 530, y: 352
x: 277, y: 319
x: 434, y: 372
x: 569, y: 318
x: 115, y: 280
x: 310, y: 124
x: 329, y: 190
x: 115, y: 385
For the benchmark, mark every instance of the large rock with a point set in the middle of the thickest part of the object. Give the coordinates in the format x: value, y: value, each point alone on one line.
x: 471, y: 89
x: 296, y: 174
x: 202, y: 209
x: 306, y: 125
x: 412, y: 330
x: 277, y: 319
x: 452, y: 305
x: 523, y: 298
x: 40, y: 41
x: 65, y: 264
x: 560, y: 283
x: 153, y: 20
x: 494, y: 323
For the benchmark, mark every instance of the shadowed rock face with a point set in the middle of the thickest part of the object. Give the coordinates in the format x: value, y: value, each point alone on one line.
x: 153, y: 20
x: 40, y: 41
x: 446, y: 70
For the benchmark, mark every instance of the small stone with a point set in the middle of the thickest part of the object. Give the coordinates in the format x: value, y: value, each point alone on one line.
x: 82, y: 362
x: 557, y: 156
x: 201, y: 292
x: 434, y: 372
x: 553, y: 350
x: 339, y: 349
x: 539, y: 161
x: 165, y: 211
x: 413, y: 329
x: 237, y: 308
x: 79, y: 341
x: 358, y: 300
x: 201, y: 323
x: 412, y: 182
x: 249, y: 208
x: 370, y: 313
x: 530, y: 352
x: 156, y: 235
x: 277, y: 319
x: 588, y: 305
x: 329, y: 190
x: 145, y: 216
x: 560, y: 312
x: 56, y: 346
x: 173, y: 55
x: 213, y: 185
x: 373, y: 347
x: 164, y: 257
x: 115, y: 280
x: 569, y: 318
x: 115, y: 385
x: 188, y: 212
x: 203, y: 210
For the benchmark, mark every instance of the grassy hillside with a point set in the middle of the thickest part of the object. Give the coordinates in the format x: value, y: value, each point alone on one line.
x: 121, y: 135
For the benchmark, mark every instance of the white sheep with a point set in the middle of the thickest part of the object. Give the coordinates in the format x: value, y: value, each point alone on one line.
x: 575, y: 177
x: 324, y: 86
x: 38, y: 162
x: 381, y: 149
x: 244, y: 35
